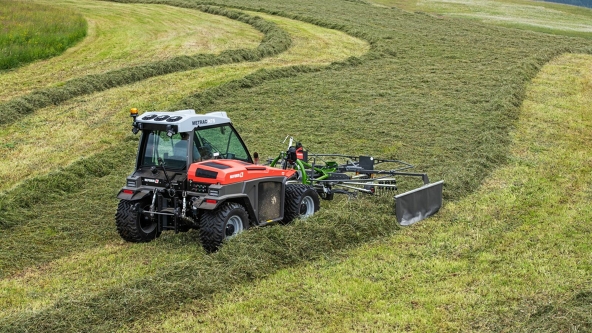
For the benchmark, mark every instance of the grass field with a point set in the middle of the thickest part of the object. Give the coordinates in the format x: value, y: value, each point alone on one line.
x: 515, y: 252
x: 81, y: 121
x: 522, y: 14
x: 31, y: 31
x: 123, y: 35
x: 465, y: 101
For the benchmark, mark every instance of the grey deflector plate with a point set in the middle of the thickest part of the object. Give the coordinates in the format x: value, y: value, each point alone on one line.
x: 418, y: 204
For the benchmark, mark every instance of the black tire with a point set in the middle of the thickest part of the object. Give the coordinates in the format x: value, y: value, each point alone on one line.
x: 226, y: 221
x: 301, y: 201
x: 132, y: 226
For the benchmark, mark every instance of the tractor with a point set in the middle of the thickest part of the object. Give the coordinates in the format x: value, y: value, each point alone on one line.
x: 193, y: 171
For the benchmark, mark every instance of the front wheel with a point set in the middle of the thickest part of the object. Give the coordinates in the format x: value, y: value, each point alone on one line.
x: 133, y: 226
x: 301, y: 201
x: 225, y: 222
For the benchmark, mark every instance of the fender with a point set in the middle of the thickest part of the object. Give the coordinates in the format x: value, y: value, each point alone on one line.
x: 132, y: 194
x: 211, y: 203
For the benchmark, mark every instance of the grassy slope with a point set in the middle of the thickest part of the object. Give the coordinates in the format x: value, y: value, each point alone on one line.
x: 443, y: 94
x: 96, y: 124
x: 31, y: 31
x: 127, y: 35
x: 55, y: 236
x: 522, y: 14
x: 509, y: 257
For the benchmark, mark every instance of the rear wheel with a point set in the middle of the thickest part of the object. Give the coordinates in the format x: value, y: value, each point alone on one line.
x: 301, y: 201
x: 225, y: 222
x: 132, y: 226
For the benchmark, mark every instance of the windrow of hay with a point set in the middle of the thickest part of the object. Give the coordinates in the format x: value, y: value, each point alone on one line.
x: 208, y: 97
x: 126, y: 35
x: 254, y: 255
x: 17, y: 206
x: 426, y: 90
x: 275, y: 41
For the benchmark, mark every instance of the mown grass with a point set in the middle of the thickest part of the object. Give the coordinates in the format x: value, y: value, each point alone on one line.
x: 90, y: 125
x: 441, y: 93
x: 31, y: 31
x: 71, y: 232
x: 513, y: 256
x: 123, y: 35
x: 274, y: 42
x: 537, y: 16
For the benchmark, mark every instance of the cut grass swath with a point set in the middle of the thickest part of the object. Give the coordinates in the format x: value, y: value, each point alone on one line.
x: 513, y: 256
x: 126, y: 35
x: 274, y: 42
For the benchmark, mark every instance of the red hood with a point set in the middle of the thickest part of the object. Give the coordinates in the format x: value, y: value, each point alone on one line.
x: 231, y: 171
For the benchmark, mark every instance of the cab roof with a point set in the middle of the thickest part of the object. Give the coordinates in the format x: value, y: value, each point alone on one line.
x: 185, y: 120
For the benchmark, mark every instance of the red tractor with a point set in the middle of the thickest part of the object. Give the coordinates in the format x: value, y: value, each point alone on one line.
x: 193, y: 171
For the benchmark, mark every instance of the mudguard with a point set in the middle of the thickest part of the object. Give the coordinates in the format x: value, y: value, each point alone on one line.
x: 136, y: 195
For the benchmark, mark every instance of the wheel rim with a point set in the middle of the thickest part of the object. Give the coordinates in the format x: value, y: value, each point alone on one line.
x: 234, y: 226
x: 147, y: 225
x: 306, y: 207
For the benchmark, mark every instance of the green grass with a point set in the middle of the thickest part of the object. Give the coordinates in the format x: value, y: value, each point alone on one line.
x: 125, y: 36
x: 31, y: 31
x: 522, y: 14
x: 88, y: 126
x: 513, y: 256
x: 274, y: 42
x: 444, y: 94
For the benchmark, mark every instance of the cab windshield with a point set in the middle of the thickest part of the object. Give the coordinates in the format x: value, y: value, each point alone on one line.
x: 203, y: 144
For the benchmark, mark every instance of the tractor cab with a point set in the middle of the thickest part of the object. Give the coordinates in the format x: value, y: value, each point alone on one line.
x: 183, y: 137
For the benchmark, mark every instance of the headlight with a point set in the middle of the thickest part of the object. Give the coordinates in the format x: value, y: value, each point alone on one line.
x: 213, y: 193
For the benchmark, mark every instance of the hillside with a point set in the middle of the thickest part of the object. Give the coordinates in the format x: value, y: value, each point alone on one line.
x: 451, y: 95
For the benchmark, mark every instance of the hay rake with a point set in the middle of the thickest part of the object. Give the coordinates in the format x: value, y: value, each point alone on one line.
x: 350, y: 175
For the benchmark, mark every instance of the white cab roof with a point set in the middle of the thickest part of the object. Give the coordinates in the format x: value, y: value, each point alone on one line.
x: 186, y: 120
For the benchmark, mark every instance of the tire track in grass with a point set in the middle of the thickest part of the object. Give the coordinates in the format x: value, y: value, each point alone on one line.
x: 486, y: 262
x: 99, y: 121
